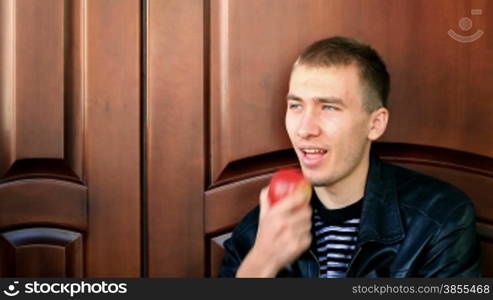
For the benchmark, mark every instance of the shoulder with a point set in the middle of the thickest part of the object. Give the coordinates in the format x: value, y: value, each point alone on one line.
x: 428, y: 196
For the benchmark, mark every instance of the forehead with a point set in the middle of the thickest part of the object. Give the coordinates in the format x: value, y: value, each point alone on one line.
x: 309, y: 82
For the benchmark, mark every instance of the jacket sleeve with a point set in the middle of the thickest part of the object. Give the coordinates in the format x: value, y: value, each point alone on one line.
x: 232, y: 258
x: 239, y: 244
x: 454, y: 250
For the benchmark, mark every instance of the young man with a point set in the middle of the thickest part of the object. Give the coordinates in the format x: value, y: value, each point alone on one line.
x: 366, y: 218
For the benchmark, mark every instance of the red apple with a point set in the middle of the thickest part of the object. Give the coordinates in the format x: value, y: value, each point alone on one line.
x: 287, y: 181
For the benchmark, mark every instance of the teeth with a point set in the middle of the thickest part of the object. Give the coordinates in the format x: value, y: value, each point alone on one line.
x: 313, y: 151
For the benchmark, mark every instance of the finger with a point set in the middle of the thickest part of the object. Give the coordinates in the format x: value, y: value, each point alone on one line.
x: 301, y: 198
x: 291, y: 204
x: 301, y: 219
x: 304, y: 228
x: 306, y: 241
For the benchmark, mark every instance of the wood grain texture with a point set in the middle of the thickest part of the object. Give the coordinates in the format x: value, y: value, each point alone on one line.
x: 226, y: 205
x: 39, y: 79
x: 43, y: 201
x: 38, y: 187
x: 41, y: 252
x: 75, y: 84
x: 7, y: 76
x: 255, y: 165
x: 175, y: 152
x: 70, y: 126
x: 42, y: 113
x: 112, y: 137
x: 32, y: 103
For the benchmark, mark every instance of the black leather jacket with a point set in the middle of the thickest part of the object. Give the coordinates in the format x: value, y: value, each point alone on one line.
x: 412, y: 225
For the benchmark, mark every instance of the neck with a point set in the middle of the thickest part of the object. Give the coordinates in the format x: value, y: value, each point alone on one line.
x: 347, y: 190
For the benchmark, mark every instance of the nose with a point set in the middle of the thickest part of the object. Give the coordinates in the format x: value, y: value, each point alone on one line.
x: 308, y: 125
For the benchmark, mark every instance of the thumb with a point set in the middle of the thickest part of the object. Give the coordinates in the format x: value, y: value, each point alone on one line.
x: 264, y: 201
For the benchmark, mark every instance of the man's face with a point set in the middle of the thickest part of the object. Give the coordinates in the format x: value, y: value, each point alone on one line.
x: 326, y: 122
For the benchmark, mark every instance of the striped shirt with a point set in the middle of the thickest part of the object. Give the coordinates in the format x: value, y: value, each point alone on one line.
x: 335, y: 233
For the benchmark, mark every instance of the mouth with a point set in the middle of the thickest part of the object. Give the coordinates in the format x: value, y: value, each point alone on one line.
x: 312, y: 156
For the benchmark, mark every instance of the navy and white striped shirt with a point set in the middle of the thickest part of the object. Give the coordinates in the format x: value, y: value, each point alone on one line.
x: 335, y: 233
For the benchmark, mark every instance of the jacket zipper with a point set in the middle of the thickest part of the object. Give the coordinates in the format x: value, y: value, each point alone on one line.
x: 354, y: 258
x: 350, y: 263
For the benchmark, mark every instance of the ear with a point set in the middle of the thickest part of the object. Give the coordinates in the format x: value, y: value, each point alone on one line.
x: 378, y: 123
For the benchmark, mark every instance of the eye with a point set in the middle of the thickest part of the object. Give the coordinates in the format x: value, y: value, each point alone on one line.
x: 329, y: 107
x: 294, y: 106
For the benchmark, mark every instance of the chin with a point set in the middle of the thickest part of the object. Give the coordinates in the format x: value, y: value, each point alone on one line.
x: 316, y: 179
x: 320, y: 182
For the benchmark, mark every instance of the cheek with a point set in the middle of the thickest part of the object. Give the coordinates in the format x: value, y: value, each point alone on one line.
x: 290, y: 124
x: 344, y: 134
x: 354, y: 139
x: 333, y: 128
x: 355, y: 126
x: 361, y: 130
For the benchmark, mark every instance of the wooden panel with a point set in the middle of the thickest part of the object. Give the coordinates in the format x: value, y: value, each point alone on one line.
x: 70, y: 125
x: 246, y: 108
x: 226, y: 205
x: 40, y: 261
x: 75, y: 84
x: 38, y: 110
x: 112, y: 140
x: 248, y: 89
x: 440, y: 86
x: 255, y: 165
x: 43, y: 201
x: 41, y: 252
x: 38, y: 185
x: 217, y: 253
x: 41, y: 119
x: 7, y: 75
x: 175, y: 155
x: 32, y: 103
x: 41, y: 168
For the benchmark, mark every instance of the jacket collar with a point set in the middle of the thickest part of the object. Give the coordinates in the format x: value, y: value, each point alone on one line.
x: 380, y: 217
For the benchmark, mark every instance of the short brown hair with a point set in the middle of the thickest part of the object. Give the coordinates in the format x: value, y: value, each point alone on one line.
x: 343, y: 51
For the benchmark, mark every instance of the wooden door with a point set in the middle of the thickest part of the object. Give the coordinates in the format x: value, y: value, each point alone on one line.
x: 70, y: 138
x: 218, y: 76
x: 134, y: 134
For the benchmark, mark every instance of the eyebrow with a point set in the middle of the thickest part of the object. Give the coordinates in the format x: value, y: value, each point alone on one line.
x: 329, y: 100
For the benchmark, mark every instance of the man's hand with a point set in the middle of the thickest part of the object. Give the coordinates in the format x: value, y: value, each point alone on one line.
x: 283, y: 234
